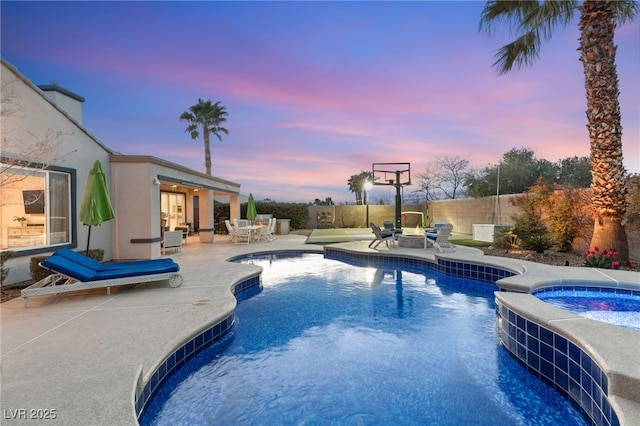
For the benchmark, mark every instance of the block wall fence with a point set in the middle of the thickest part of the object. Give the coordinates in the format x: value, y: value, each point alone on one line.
x: 461, y: 213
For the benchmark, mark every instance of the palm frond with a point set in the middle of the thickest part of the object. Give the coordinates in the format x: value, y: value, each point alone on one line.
x: 549, y: 15
x: 520, y: 53
x: 509, y: 12
x: 626, y: 11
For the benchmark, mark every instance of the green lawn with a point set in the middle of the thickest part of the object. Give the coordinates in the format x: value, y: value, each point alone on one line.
x: 341, y: 235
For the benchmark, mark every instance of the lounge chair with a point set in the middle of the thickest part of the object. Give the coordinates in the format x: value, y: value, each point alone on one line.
x: 73, y: 271
x: 439, y: 237
x: 389, y: 227
x: 381, y: 236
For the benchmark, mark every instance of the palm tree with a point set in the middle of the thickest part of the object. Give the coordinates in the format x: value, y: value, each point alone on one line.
x: 534, y: 21
x: 356, y: 185
x: 210, y: 117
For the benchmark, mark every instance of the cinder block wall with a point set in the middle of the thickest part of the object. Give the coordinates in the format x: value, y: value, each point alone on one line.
x: 463, y: 213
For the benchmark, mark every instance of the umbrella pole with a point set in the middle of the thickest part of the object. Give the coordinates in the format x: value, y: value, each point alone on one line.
x: 88, y: 239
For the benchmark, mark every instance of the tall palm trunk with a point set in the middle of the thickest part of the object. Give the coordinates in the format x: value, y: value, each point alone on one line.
x: 608, y: 183
x: 207, y: 150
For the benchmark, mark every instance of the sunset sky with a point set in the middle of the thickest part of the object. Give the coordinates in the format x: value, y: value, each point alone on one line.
x: 315, y: 91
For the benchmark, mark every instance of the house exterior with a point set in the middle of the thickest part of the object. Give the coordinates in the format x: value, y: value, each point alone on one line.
x: 46, y: 156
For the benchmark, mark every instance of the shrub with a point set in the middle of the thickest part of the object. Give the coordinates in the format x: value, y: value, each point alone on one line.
x: 529, y: 227
x: 37, y: 272
x: 298, y: 213
x: 569, y: 216
x: 507, y: 240
x: 538, y: 243
x: 4, y: 256
x: 633, y: 203
x: 95, y: 254
x: 601, y: 259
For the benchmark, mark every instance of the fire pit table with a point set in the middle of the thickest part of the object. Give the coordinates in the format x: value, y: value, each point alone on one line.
x: 411, y: 241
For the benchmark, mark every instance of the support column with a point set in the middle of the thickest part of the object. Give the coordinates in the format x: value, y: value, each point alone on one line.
x: 234, y: 207
x: 206, y: 216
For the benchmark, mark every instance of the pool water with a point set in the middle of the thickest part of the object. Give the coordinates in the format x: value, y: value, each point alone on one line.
x: 621, y: 309
x: 327, y: 343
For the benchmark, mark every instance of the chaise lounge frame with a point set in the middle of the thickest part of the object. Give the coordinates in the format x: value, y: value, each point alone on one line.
x: 60, y: 282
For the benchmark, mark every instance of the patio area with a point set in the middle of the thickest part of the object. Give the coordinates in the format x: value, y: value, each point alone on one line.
x: 82, y: 355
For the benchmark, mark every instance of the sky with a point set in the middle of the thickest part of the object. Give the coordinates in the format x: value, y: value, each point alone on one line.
x: 315, y: 91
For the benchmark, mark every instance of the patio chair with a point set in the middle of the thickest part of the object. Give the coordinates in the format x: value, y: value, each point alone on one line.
x: 73, y: 271
x: 230, y: 230
x: 172, y: 240
x: 389, y: 227
x: 262, y: 233
x: 440, y: 239
x: 240, y: 223
x: 381, y: 236
x: 243, y: 235
x: 271, y: 233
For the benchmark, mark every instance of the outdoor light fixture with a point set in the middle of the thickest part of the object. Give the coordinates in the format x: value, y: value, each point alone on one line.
x: 156, y: 181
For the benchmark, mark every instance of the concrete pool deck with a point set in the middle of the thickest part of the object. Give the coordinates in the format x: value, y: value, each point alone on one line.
x: 77, y: 356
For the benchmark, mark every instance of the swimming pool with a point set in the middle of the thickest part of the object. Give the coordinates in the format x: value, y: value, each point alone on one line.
x: 325, y: 342
x: 615, y: 307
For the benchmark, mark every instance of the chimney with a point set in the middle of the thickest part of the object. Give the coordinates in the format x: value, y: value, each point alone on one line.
x: 64, y: 99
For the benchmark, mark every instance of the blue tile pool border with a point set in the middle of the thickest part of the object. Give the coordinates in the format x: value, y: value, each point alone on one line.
x: 601, y: 289
x: 189, y: 349
x: 558, y: 362
x: 463, y: 269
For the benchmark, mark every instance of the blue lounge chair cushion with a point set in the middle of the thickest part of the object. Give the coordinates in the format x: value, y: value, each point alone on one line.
x: 69, y: 268
x: 83, y: 268
x: 87, y: 262
x: 140, y: 265
x: 125, y: 272
x: 78, y: 258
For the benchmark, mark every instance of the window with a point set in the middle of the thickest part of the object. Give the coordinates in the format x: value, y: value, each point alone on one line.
x: 35, y: 207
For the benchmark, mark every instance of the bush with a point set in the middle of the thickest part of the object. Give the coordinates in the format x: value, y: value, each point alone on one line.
x: 4, y: 256
x: 529, y: 227
x: 37, y: 272
x: 298, y: 213
x: 601, y: 259
x: 633, y: 203
x: 507, y: 240
x: 95, y: 254
x: 569, y: 216
x: 538, y: 243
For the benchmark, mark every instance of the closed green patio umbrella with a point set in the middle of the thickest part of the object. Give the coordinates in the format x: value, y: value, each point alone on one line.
x: 95, y: 207
x: 251, y: 208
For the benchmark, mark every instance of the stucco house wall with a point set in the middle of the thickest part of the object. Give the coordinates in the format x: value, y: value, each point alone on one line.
x: 30, y: 119
x: 31, y: 115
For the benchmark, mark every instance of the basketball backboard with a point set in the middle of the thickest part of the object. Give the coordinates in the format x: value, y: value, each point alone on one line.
x: 392, y: 174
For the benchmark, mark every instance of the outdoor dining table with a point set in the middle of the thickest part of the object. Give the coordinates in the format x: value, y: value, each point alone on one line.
x: 251, y: 229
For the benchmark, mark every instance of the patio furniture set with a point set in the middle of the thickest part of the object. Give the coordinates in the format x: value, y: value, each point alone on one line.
x: 244, y: 231
x: 437, y: 237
